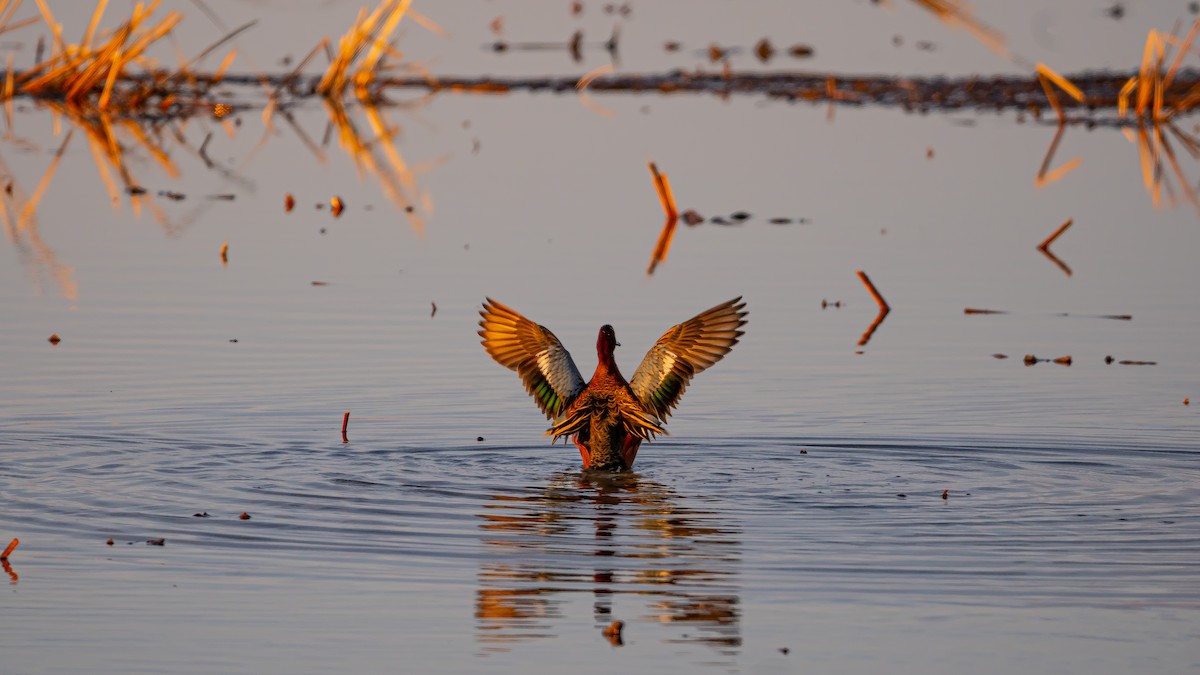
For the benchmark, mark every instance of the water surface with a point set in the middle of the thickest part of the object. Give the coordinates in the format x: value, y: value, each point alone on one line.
x: 798, y: 503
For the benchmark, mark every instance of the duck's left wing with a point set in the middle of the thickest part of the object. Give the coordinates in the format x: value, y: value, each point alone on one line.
x: 545, y: 366
x: 685, y: 350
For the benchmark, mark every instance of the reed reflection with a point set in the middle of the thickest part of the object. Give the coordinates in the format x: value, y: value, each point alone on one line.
x: 629, y: 544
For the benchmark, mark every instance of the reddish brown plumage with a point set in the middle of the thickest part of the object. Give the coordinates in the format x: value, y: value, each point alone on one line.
x: 608, y: 417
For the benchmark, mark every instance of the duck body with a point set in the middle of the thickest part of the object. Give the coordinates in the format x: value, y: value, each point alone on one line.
x: 608, y: 417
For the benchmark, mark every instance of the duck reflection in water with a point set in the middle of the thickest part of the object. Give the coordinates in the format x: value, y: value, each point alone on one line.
x: 627, y: 542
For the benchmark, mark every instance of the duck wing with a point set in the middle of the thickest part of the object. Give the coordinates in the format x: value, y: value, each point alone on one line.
x: 683, y: 351
x: 545, y: 366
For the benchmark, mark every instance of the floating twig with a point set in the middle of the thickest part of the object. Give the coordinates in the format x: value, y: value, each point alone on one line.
x: 663, y: 245
x: 1055, y: 259
x: 345, y: 425
x: 883, y: 306
x: 11, y: 547
x: 1050, y: 240
x: 1044, y: 175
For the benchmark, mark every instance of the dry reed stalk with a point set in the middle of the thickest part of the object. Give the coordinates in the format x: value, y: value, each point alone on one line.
x: 1145, y: 74
x: 866, y: 336
x: 396, y: 177
x: 6, y: 27
x: 9, y: 90
x: 585, y: 98
x: 663, y: 188
x: 1062, y: 82
x: 883, y: 306
x: 663, y: 246
x: 956, y: 13
x: 369, y: 30
x: 31, y: 206
x: 1050, y: 240
x: 1043, y: 178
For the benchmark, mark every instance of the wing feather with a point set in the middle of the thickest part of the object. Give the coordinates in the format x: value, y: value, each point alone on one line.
x: 685, y: 350
x: 545, y: 366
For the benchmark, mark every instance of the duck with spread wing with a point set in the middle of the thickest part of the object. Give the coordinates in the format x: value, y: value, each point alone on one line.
x: 608, y: 417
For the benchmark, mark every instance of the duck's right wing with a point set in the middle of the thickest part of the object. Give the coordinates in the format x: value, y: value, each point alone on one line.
x: 546, y: 368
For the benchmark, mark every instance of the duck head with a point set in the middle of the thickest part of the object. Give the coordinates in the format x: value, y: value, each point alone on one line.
x: 606, y: 343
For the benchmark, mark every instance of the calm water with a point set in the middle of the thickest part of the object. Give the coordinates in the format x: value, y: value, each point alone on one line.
x: 797, y: 504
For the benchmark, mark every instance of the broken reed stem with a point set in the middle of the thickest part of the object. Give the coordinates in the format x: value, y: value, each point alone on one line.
x: 1049, y: 240
x: 345, y: 425
x: 667, y: 199
x: 11, y: 547
x: 664, y: 191
x: 883, y: 306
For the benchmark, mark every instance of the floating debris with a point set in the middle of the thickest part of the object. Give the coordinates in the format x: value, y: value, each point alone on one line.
x: 999, y: 356
x: 54, y: 339
x: 945, y: 494
x: 223, y: 197
x: 836, y: 304
x: 200, y: 515
x: 479, y: 439
x: 173, y: 196
x: 336, y: 206
x: 801, y: 51
x: 109, y: 542
x: 1187, y: 401
x: 763, y: 50
x: 663, y: 187
x: 244, y: 516
x: 156, y: 542
x: 972, y: 310
x: 289, y: 203
x: 784, y: 650
x: 12, y: 546
x: 1031, y: 360
x: 883, y: 308
x: 613, y: 633
x: 1137, y: 363
x: 433, y: 309
x: 345, y: 425
x: 233, y: 340
x: 690, y: 217
x: 319, y: 283
x: 1109, y: 359
x: 1057, y: 233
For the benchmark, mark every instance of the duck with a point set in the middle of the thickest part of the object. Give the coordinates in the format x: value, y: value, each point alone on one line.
x: 608, y: 417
